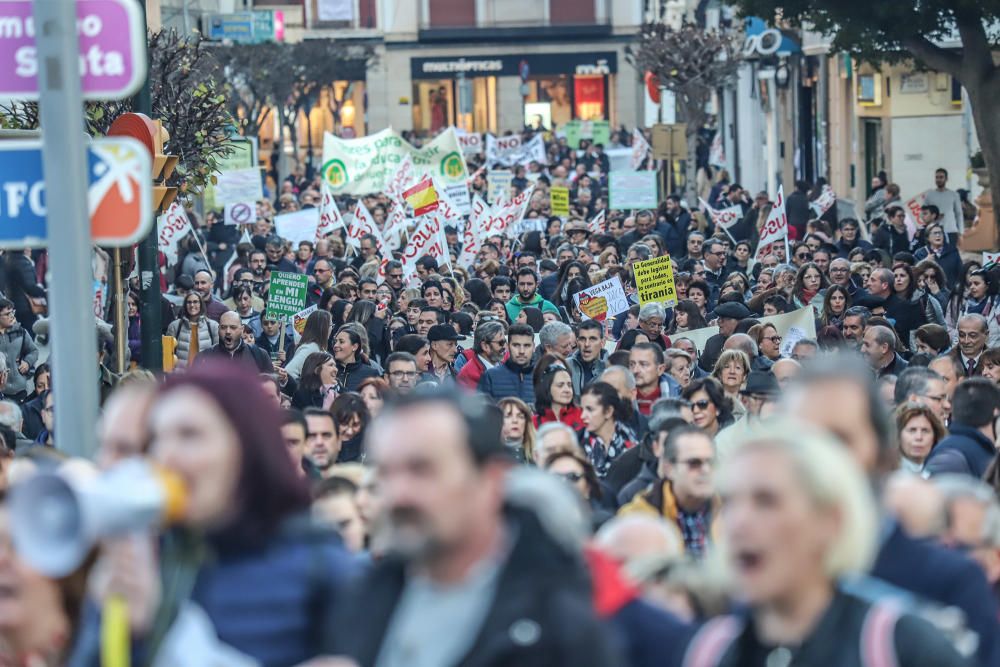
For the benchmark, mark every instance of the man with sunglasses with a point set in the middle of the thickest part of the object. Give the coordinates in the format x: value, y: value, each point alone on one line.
x: 489, y: 345
x: 714, y: 258
x: 684, y: 494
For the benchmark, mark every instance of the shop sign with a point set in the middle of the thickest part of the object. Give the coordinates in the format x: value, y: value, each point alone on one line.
x: 537, y: 64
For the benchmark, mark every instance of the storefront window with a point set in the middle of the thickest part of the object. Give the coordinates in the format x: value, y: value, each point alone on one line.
x: 554, y: 92
x: 437, y: 104
x: 589, y: 97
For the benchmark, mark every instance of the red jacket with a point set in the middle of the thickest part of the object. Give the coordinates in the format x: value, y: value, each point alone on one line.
x: 571, y: 416
x: 473, y: 369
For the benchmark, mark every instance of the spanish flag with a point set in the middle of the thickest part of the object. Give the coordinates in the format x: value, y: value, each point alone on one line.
x: 422, y: 197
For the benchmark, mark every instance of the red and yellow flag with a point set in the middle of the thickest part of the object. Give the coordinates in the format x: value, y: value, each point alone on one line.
x: 422, y: 197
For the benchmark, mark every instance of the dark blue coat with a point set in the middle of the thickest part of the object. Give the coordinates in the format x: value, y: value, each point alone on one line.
x: 508, y: 379
x: 651, y: 637
x: 273, y: 603
x: 949, y: 260
x: 965, y: 451
x: 946, y: 577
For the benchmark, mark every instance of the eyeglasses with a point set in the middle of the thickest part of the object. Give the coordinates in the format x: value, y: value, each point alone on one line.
x: 803, y: 255
x: 403, y: 374
x: 773, y: 339
x: 701, y: 405
x: 572, y: 477
x: 696, y: 463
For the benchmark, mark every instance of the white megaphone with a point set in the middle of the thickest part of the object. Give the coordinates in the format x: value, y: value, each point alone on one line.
x: 55, y: 520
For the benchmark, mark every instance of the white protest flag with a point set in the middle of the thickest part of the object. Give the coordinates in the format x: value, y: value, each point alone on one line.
x: 640, y: 149
x: 297, y: 226
x: 826, y: 199
x: 505, y: 216
x: 447, y: 208
x: 395, y: 225
x: 912, y: 211
x: 330, y: 219
x: 472, y: 238
x: 726, y: 217
x: 364, y: 224
x: 171, y: 227
x: 596, y: 224
x: 512, y: 150
x: 775, y: 230
x: 401, y: 179
x: 425, y: 240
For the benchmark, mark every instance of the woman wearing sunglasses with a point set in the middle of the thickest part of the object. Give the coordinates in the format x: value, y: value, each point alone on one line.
x: 578, y: 472
x: 712, y: 409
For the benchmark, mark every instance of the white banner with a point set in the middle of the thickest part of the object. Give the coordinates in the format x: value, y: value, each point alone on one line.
x: 336, y: 10
x: 427, y: 239
x: 775, y: 229
x: 512, y: 150
x: 640, y: 149
x: 171, y: 227
x: 826, y: 199
x: 471, y: 142
x: 498, y: 184
x: 297, y: 226
x: 596, y: 224
x: 238, y: 185
x: 366, y: 165
x: 239, y: 213
x: 472, y: 239
x: 726, y: 217
x: 603, y: 300
x: 362, y: 224
x: 792, y: 327
x: 503, y: 219
x: 330, y: 219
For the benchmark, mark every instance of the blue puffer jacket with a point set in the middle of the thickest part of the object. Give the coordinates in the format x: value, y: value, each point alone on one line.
x: 508, y: 379
x: 273, y: 603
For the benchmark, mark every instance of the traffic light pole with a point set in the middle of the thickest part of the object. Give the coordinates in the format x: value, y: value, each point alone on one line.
x: 151, y: 329
x: 71, y: 297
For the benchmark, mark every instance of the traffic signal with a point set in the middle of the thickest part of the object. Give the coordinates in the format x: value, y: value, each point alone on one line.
x: 153, y: 136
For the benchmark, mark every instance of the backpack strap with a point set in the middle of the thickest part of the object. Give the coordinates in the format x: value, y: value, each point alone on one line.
x: 712, y: 641
x: 878, y: 635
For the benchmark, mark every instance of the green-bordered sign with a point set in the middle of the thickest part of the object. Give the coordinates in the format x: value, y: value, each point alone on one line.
x: 286, y: 295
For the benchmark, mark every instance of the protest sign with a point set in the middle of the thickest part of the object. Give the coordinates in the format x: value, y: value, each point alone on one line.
x: 632, y: 189
x: 600, y: 132
x: 654, y: 281
x: 299, y: 318
x: 330, y: 219
x: 512, y: 150
x: 698, y: 336
x: 238, y: 185
x: 597, y: 223
x: 559, y: 200
x: 240, y: 213
x: 471, y: 142
x: 912, y: 213
x: 171, y: 227
x: 775, y: 230
x: 793, y: 327
x: 286, y: 295
x: 366, y: 165
x: 726, y: 217
x: 297, y: 226
x: 242, y: 155
x: 499, y: 184
x: 640, y: 149
x: 505, y: 216
x: 427, y: 239
x: 990, y: 257
x: 603, y: 300
x: 827, y: 198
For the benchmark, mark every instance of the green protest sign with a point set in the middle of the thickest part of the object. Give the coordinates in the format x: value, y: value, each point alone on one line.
x: 601, y: 130
x: 573, y: 130
x: 286, y: 295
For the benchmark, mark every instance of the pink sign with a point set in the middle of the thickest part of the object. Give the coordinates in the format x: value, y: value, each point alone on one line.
x: 112, y: 38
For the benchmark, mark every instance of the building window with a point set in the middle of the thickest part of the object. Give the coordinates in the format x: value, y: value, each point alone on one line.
x: 572, y: 12
x: 451, y: 14
x: 589, y: 97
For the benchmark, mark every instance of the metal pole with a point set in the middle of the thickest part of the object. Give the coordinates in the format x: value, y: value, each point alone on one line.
x: 151, y: 332
x: 187, y: 16
x: 121, y: 325
x: 74, y: 333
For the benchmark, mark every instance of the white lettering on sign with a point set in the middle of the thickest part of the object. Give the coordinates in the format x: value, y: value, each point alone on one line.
x: 19, y: 193
x: 463, y: 65
x: 95, y: 62
x: 601, y: 67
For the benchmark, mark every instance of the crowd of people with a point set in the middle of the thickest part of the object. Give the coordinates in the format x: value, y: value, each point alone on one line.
x: 462, y: 468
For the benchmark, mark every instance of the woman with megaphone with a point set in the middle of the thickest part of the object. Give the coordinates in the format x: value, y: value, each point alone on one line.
x: 243, y: 565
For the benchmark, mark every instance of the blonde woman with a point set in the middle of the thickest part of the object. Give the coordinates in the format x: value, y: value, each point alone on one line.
x: 798, y: 516
x: 518, y: 428
x: 731, y: 370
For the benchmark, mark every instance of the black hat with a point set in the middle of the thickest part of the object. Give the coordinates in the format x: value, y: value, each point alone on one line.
x: 761, y: 382
x: 442, y: 332
x: 733, y: 310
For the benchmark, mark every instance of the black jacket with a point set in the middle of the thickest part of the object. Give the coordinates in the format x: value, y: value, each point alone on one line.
x: 965, y: 451
x: 352, y: 375
x: 540, y: 583
x: 22, y: 286
x: 245, y: 354
x: 836, y: 641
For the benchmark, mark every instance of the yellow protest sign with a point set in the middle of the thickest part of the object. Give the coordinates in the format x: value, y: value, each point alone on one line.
x: 560, y: 200
x: 654, y: 281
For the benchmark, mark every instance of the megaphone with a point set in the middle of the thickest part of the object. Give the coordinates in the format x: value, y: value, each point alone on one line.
x: 56, y: 520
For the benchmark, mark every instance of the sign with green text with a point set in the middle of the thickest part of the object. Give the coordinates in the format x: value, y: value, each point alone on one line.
x: 286, y: 295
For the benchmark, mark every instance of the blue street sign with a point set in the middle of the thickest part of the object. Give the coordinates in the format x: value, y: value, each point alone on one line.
x: 119, y: 171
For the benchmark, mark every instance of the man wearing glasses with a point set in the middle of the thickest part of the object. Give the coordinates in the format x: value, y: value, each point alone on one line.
x: 715, y: 264
x: 489, y: 346
x: 324, y: 279
x: 19, y: 350
x: 840, y: 274
x: 685, y: 494
x: 401, y: 371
